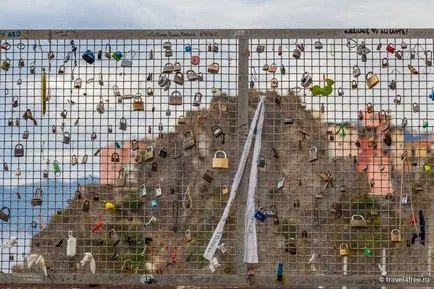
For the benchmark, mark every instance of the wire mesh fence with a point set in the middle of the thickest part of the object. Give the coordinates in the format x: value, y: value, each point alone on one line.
x: 120, y: 150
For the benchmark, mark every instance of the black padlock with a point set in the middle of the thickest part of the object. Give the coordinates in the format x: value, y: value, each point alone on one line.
x: 163, y: 152
x: 387, y: 139
x: 154, y: 166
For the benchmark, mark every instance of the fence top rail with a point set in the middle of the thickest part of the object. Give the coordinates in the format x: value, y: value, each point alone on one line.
x: 361, y: 33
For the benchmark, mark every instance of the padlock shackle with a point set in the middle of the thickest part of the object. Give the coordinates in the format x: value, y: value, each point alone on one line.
x: 6, y: 208
x: 353, y: 217
x: 343, y: 246
x: 220, y: 151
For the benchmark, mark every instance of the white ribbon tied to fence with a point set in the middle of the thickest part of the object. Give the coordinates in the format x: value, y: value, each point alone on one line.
x: 250, y: 254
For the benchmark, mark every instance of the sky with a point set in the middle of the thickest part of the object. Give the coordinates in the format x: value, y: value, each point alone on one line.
x: 164, y: 14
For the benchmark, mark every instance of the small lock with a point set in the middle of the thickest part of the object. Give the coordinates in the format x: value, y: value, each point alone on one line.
x: 290, y: 246
x: 45, y: 174
x: 318, y: 45
x: 225, y: 190
x: 168, y: 52
x: 175, y: 98
x: 220, y: 162
x: 197, y: 100
x: 261, y: 161
x: 195, y: 59
x: 157, y: 191
x: 343, y: 250
x: 77, y: 83
x: 5, y: 166
x: 15, y: 102
x: 128, y: 60
x: 306, y: 80
x: 384, y: 63
x: 371, y: 80
x: 179, y: 78
x: 168, y: 112
x: 397, y: 99
x: 260, y: 215
x: 296, y: 53
x: 313, y: 154
x: 217, y: 130
x: 188, y: 141
x: 416, y: 107
x: 399, y: 54
x: 115, y: 157
x: 66, y: 137
x: 85, y: 206
x: 37, y: 198
x: 5, y: 214
x: 340, y: 91
x: 21, y: 63
x: 282, y: 69
x: 32, y: 69
x: 154, y: 167
x: 117, y: 55
x: 358, y: 221
x: 274, y: 83
x: 19, y: 151
x: 354, y: 84
x: 26, y: 134
x: 123, y: 124
x: 11, y: 122
x: 100, y: 107
x: 192, y: 75
x: 163, y: 152
x: 181, y: 120
x: 428, y: 58
x: 138, y: 104
x: 356, y: 71
x: 272, y: 68
x: 395, y: 236
x: 17, y: 122
x: 392, y: 85
x: 93, y: 136
x: 260, y: 48
x: 148, y: 154
x: 387, y: 139
x: 280, y: 183
x: 88, y: 56
x: 6, y: 64
x: 208, y: 176
x: 213, y: 68
x: 110, y: 129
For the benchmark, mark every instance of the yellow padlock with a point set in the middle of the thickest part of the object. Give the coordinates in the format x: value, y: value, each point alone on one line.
x: 343, y: 250
x: 109, y: 205
x: 220, y: 162
x: 371, y: 80
x: 427, y: 168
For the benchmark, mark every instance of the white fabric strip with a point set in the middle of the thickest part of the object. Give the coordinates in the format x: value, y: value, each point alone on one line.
x: 250, y: 242
x: 218, y: 232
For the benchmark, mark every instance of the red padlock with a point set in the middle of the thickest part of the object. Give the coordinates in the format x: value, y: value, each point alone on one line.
x: 390, y: 48
x: 98, y: 225
x: 412, y: 219
x: 195, y: 58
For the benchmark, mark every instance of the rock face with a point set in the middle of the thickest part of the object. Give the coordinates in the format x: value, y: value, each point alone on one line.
x: 168, y: 233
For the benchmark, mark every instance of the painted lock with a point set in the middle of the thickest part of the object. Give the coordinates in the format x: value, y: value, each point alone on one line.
x: 395, y: 236
x: 194, y: 56
x: 168, y: 68
x: 175, y: 98
x: 306, y: 80
x: 179, y: 78
x: 260, y: 215
x: 6, y: 64
x: 208, y: 176
x: 37, y: 197
x: 358, y: 221
x: 220, y: 160
x: 128, y: 59
x: 148, y: 154
x: 5, y: 214
x: 114, y: 238
x: 197, y: 100
x: 216, y: 130
x: 157, y: 191
x: 88, y: 56
x: 371, y: 80
x: 19, y: 151
x: 356, y: 71
x: 313, y: 154
x: 343, y: 250
x: 213, y: 68
x: 115, y: 157
x: 138, y: 104
x: 123, y: 124
x: 85, y: 206
x: 117, y: 55
x: 66, y: 138
x: 390, y: 48
x: 163, y: 152
x: 272, y: 68
x: 274, y: 83
x: 188, y: 141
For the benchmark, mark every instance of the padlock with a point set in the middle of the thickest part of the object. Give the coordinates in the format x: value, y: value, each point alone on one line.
x: 18, y: 172
x: 416, y: 107
x: 32, y: 69
x: 148, y: 154
x: 191, y: 75
x: 370, y: 107
x: 343, y: 250
x: 115, y: 157
x: 63, y: 114
x: 260, y: 215
x: 93, y: 136
x: 195, y: 59
x: 318, y: 45
x: 274, y: 83
x: 5, y: 166
x: 84, y: 159
x: 128, y: 61
x: 390, y: 48
x: 17, y: 122
x: 428, y: 58
x: 110, y: 129
x: 163, y: 80
x: 114, y: 238
x: 37, y: 197
x: 45, y: 174
x: 290, y: 246
x: 154, y: 166
x: 296, y: 54
x: 175, y: 98
x: 306, y: 80
x: 100, y: 107
x: 340, y: 91
x: 300, y: 46
x: 412, y: 219
x: 280, y: 183
x: 66, y: 137
x: 138, y: 104
x: 19, y: 151
x: 179, y: 78
x: 77, y: 83
x: 358, y: 221
x: 220, y: 162
x: 188, y: 141
x: 74, y: 160
x: 123, y: 124
x: 384, y: 120
x: 181, y: 120
x: 6, y: 64
x: 26, y: 134
x: 157, y: 191
x: 168, y: 68
x: 208, y: 176
x: 21, y: 62
x: 163, y: 152
x: 260, y: 48
x: 313, y: 154
x: 213, y: 68
x: 385, y: 63
x: 387, y: 139
x: 354, y: 84
x: 225, y: 190
x: 214, y: 48
x: 272, y: 68
x: 356, y: 71
x: 187, y: 236
x: 85, y: 206
x: 15, y: 102
x: 142, y: 190
x: 399, y: 54
x: 134, y: 145
x: 392, y: 85
x: 168, y: 52
x: 197, y: 100
x: 117, y: 55
x: 88, y: 56
x: 395, y: 236
x: 11, y: 122
x: 412, y: 69
x: 5, y: 214
x: 371, y: 80
x: 265, y: 67
x: 108, y: 51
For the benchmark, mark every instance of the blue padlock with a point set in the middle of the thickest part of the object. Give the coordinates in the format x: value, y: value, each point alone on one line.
x: 89, y: 57
x: 431, y: 95
x: 187, y: 48
x: 279, y: 275
x: 260, y: 215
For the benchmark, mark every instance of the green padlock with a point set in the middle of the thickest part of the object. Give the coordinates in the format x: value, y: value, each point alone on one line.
x: 367, y: 252
x: 56, y: 168
x: 117, y: 55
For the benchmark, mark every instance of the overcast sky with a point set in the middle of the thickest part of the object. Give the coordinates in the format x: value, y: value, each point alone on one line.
x: 216, y: 14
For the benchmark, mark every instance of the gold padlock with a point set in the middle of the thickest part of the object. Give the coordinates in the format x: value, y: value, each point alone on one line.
x: 220, y: 162
x: 358, y: 221
x: 6, y: 64
x: 213, y: 68
x: 138, y: 104
x: 395, y: 236
x: 371, y: 80
x: 225, y: 190
x: 343, y: 250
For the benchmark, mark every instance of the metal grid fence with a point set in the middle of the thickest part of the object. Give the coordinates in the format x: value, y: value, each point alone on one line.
x: 113, y: 138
